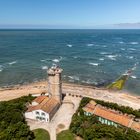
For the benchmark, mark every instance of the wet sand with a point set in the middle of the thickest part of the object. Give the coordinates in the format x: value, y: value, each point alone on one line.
x: 122, y: 98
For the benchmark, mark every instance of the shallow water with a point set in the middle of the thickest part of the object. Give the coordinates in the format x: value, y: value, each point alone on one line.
x: 87, y: 56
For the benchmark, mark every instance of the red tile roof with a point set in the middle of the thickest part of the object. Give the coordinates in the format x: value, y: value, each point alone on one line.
x: 108, y: 114
x: 112, y: 116
x: 47, y: 104
x: 39, y: 99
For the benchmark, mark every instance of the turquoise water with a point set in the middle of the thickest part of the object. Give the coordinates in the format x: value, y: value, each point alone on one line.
x: 94, y: 57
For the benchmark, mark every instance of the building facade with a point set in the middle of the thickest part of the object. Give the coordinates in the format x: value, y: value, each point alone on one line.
x: 44, y: 107
x: 111, y: 117
x: 54, y: 83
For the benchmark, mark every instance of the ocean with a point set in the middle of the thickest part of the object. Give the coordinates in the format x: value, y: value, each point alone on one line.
x: 95, y: 57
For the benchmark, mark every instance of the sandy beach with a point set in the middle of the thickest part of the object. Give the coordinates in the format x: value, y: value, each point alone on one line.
x: 122, y: 98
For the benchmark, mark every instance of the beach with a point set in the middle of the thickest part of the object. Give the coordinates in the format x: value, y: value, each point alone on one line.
x: 120, y: 97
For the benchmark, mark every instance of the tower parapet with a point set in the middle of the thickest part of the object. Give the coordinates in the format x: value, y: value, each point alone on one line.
x: 55, y: 83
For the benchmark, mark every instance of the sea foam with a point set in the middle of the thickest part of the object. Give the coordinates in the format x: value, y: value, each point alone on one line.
x: 123, y: 49
x: 134, y: 77
x: 121, y: 42
x: 56, y: 60
x: 89, y: 45
x: 74, y: 78
x: 94, y: 64
x: 101, y: 59
x: 44, y: 67
x: 12, y: 63
x: 134, y: 43
x: 69, y: 45
x: 131, y: 49
x: 103, y: 53
x: 112, y: 57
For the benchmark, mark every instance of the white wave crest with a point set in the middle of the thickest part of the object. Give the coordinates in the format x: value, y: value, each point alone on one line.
x: 121, y: 42
x: 134, y: 43
x: 130, y: 57
x: 112, y: 57
x: 103, y: 53
x: 44, y: 67
x: 74, y: 78
x: 131, y: 49
x: 101, y: 59
x: 69, y: 45
x: 89, y: 45
x: 56, y: 60
x: 134, y: 77
x: 123, y: 49
x: 12, y: 63
x: 94, y: 64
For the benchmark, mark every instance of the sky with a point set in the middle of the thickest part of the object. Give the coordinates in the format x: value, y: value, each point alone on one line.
x: 70, y: 14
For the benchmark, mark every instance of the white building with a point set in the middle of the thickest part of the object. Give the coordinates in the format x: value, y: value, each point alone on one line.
x: 42, y: 108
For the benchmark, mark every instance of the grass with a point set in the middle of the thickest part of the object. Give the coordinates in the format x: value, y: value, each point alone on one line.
x: 41, y: 134
x: 65, y: 135
x: 119, y: 83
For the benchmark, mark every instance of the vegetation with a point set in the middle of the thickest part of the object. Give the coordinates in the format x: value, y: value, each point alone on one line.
x: 119, y: 83
x: 88, y: 127
x: 123, y: 109
x: 65, y: 135
x: 12, y: 122
x: 41, y: 134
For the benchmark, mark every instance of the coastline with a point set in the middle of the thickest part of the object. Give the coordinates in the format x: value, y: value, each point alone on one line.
x: 120, y: 97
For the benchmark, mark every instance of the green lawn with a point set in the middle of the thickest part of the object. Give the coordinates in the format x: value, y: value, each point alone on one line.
x: 41, y: 134
x: 65, y: 135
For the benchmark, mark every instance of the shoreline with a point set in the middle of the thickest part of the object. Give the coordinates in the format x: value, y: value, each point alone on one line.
x: 120, y: 97
x: 11, y: 87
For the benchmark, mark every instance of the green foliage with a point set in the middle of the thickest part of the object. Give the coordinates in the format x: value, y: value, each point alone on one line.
x: 65, y: 135
x: 123, y: 109
x: 41, y: 134
x: 12, y: 121
x: 119, y: 83
x: 89, y: 128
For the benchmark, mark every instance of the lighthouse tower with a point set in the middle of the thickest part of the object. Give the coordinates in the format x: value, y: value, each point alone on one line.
x: 54, y: 83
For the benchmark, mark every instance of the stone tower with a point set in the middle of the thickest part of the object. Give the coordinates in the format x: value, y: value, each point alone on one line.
x: 54, y: 82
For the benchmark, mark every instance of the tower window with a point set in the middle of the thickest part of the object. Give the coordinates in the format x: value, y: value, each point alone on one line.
x: 37, y: 113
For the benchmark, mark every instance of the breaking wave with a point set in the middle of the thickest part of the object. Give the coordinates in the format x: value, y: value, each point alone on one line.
x: 134, y: 43
x: 101, y: 59
x: 131, y: 49
x: 74, y: 78
x: 123, y: 49
x: 69, y: 45
x: 121, y: 42
x: 12, y: 63
x: 103, y: 53
x: 89, y: 45
x: 56, y: 60
x: 134, y: 77
x: 44, y: 67
x: 111, y: 57
x: 94, y: 64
